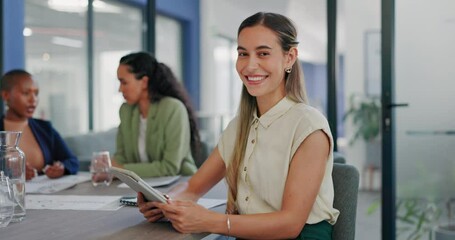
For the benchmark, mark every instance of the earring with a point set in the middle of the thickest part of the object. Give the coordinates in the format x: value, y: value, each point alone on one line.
x: 287, y: 70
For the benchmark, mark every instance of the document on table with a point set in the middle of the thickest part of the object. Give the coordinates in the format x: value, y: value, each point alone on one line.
x: 72, y: 202
x: 156, y: 181
x: 211, y: 202
x: 43, y: 184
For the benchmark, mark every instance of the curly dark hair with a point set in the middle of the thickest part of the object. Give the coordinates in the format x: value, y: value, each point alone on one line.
x: 162, y: 83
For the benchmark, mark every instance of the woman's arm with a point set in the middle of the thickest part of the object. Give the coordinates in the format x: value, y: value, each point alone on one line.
x: 62, y: 153
x: 302, y: 186
x: 118, y: 157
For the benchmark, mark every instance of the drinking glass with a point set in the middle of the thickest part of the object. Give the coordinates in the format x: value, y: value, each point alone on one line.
x: 100, y: 169
x: 6, y: 200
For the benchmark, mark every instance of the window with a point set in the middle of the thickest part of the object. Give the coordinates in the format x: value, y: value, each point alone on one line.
x: 117, y: 31
x: 169, y: 44
x: 56, y: 54
x: 227, y: 90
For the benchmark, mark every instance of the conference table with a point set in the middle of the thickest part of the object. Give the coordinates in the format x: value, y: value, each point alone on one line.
x: 124, y: 224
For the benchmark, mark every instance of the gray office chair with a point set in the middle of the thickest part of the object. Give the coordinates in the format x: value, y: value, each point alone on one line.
x: 338, y: 157
x: 346, y: 186
x: 202, y: 154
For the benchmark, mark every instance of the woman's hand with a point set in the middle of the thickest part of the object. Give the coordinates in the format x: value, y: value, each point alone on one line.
x: 186, y: 216
x: 116, y: 164
x: 30, y: 172
x: 148, y: 209
x: 55, y: 170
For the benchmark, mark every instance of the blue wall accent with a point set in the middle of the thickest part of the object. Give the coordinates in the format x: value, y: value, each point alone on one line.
x: 13, y: 41
x: 316, y: 86
x: 187, y: 12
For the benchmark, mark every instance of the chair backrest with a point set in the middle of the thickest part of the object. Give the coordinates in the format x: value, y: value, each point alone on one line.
x: 202, y: 155
x: 85, y: 144
x: 338, y: 157
x: 346, y: 186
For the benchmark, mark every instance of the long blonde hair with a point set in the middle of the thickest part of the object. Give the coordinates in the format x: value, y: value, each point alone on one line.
x: 294, y: 86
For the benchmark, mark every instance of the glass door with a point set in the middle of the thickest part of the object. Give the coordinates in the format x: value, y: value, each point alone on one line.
x: 425, y: 129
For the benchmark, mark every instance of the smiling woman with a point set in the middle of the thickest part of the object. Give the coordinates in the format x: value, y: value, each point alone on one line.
x: 260, y: 64
x: 276, y: 154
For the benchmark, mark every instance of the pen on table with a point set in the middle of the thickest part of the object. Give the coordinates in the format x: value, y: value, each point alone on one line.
x: 35, y: 172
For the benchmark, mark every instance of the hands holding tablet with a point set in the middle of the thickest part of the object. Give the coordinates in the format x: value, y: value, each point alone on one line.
x: 149, y: 209
x: 186, y: 216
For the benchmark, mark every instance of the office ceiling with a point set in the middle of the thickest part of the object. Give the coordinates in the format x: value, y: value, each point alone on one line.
x: 309, y: 16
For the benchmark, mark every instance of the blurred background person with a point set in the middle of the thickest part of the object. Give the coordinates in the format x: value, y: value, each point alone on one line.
x: 45, y: 151
x: 157, y: 135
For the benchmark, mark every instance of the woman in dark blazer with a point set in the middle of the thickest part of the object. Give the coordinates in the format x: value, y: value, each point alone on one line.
x: 45, y: 151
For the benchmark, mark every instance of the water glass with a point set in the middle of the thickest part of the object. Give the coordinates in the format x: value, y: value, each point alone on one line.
x: 100, y: 169
x: 6, y: 200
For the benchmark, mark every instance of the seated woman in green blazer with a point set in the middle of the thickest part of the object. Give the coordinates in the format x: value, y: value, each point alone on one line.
x: 157, y: 130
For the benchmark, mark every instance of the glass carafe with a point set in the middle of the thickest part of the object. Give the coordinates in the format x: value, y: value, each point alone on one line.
x: 12, y: 163
x: 6, y: 200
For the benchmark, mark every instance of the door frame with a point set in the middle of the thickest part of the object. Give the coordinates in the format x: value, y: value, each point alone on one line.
x: 388, y: 193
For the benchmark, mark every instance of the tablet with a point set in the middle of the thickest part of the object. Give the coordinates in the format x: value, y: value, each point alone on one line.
x: 138, y: 184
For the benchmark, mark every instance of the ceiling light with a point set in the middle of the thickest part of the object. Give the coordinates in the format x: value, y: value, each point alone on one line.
x: 46, y: 57
x: 67, y: 42
x: 79, y: 6
x: 27, y: 32
x: 68, y: 5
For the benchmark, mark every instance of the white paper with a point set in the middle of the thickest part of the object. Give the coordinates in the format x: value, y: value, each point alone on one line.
x: 156, y: 182
x: 43, y: 184
x: 211, y: 202
x: 72, y: 202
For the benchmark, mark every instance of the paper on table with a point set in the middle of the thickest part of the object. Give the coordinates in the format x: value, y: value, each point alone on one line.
x: 72, y: 202
x: 156, y: 181
x: 211, y: 202
x: 43, y: 184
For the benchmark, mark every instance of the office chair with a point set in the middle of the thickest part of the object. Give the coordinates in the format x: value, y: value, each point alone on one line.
x: 338, y: 157
x: 202, y: 155
x: 346, y: 186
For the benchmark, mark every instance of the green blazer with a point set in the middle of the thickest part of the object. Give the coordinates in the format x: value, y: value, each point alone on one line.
x: 167, y: 142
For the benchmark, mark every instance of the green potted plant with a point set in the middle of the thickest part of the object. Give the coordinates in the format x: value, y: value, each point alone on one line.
x: 365, y: 112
